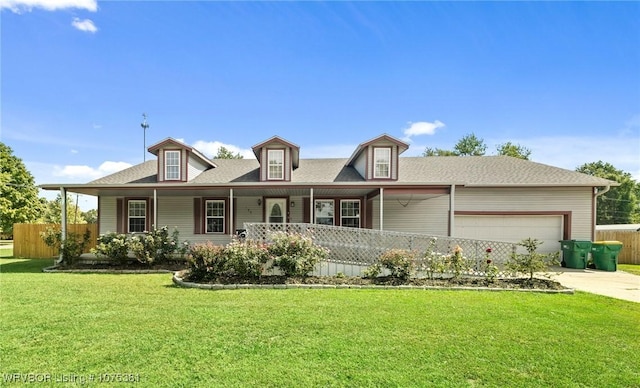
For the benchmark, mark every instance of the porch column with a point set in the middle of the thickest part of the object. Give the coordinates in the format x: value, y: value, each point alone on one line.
x: 155, y: 209
x: 452, y: 210
x: 231, y: 229
x: 63, y: 222
x: 311, y: 206
x: 382, y: 208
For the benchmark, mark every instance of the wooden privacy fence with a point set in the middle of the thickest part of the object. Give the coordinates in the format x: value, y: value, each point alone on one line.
x: 630, y: 239
x: 28, y: 243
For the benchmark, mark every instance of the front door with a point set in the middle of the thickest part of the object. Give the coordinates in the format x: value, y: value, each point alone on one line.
x: 276, y: 210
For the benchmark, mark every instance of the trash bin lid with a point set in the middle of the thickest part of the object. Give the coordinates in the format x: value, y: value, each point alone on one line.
x: 608, y: 242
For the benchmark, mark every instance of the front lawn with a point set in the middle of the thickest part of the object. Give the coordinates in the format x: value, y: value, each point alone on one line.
x: 631, y: 268
x: 121, y: 325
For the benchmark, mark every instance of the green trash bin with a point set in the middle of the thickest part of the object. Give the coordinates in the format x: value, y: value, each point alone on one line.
x: 575, y: 253
x: 605, y: 254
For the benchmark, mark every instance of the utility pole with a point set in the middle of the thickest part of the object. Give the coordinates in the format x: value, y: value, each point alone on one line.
x: 144, y: 126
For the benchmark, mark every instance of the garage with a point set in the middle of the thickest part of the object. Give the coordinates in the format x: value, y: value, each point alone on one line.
x: 512, y: 228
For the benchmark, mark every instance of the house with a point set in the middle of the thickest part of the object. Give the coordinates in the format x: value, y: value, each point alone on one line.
x: 479, y: 197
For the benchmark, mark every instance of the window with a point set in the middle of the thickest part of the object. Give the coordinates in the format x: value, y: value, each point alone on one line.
x: 350, y: 213
x: 382, y: 162
x: 137, y: 216
x: 324, y: 212
x: 215, y: 216
x: 172, y: 165
x: 276, y: 164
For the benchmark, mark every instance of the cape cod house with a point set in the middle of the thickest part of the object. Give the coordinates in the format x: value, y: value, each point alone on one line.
x: 480, y: 197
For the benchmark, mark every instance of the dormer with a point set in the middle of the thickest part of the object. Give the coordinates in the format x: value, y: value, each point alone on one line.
x: 277, y: 158
x: 377, y: 159
x: 177, y: 162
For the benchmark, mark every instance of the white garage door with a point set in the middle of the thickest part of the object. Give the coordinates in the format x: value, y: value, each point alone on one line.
x: 547, y: 229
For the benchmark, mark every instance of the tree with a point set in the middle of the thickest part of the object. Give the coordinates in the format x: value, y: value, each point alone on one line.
x: 53, y: 212
x: 620, y: 204
x: 224, y: 153
x: 91, y: 216
x: 469, y: 145
x: 515, y: 150
x: 438, y: 152
x: 19, y: 201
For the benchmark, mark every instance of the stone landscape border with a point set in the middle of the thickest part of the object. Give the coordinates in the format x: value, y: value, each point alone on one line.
x: 177, y: 280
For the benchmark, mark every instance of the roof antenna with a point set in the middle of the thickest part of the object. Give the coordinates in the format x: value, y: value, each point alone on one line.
x: 144, y: 126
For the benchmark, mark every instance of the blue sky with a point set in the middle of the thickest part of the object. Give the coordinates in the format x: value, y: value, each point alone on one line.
x: 562, y: 79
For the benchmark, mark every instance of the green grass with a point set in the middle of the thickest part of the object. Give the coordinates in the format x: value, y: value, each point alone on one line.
x: 631, y: 268
x: 6, y: 248
x: 86, y: 324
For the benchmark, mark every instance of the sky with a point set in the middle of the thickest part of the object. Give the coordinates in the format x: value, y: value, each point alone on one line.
x: 560, y: 78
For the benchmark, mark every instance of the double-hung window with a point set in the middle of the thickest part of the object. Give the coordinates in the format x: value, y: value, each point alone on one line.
x: 324, y: 211
x: 215, y: 216
x: 137, y: 215
x: 350, y: 213
x: 172, y: 165
x: 382, y: 162
x: 275, y: 164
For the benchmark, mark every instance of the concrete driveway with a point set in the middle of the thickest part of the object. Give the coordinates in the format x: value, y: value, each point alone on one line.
x: 619, y: 284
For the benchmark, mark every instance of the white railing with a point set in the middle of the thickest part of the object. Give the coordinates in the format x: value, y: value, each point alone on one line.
x: 362, y: 247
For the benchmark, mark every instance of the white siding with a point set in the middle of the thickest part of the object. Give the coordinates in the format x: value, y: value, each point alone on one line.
x: 196, y: 167
x: 361, y: 164
x: 429, y: 216
x: 574, y: 200
x: 247, y: 210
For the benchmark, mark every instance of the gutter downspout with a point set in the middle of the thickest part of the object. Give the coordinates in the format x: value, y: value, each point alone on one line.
x: 597, y: 193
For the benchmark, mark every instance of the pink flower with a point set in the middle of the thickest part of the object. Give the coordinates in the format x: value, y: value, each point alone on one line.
x: 488, y: 250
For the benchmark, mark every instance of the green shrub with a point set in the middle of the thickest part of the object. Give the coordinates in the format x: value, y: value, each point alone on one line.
x: 401, y: 263
x: 245, y: 258
x: 112, y: 245
x: 432, y: 262
x: 206, y: 261
x: 531, y: 262
x: 295, y: 254
x: 372, y: 271
x: 71, y: 248
x: 155, y: 246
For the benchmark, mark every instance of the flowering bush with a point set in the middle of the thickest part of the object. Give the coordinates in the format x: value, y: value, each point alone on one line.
x: 295, y: 254
x: 400, y: 262
x: 490, y: 270
x: 245, y: 258
x: 112, y: 245
x: 206, y: 261
x: 432, y: 262
x: 71, y: 248
x: 155, y: 246
x: 456, y: 263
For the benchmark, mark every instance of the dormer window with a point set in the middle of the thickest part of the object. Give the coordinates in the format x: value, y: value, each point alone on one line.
x: 382, y: 161
x: 276, y: 164
x: 172, y: 165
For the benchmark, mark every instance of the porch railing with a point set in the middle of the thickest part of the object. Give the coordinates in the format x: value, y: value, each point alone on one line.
x: 362, y: 247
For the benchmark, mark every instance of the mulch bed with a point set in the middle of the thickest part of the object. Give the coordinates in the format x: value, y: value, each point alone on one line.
x: 515, y: 283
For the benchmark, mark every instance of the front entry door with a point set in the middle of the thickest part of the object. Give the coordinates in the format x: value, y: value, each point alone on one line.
x: 276, y: 210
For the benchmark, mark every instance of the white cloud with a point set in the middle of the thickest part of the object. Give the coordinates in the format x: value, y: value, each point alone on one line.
x: 85, y: 25
x: 422, y: 128
x: 18, y: 6
x: 85, y: 173
x: 210, y: 149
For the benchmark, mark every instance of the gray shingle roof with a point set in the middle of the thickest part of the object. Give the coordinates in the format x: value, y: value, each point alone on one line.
x: 467, y: 170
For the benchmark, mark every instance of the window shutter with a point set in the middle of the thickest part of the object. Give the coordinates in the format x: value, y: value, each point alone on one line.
x: 120, y: 215
x: 306, y: 206
x: 197, y: 216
